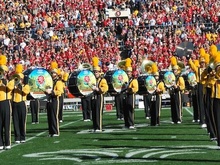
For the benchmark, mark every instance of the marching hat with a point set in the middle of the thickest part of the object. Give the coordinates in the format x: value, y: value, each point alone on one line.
x: 95, y: 63
x: 3, y: 62
x: 19, y: 70
x: 54, y: 67
x: 174, y: 64
x: 155, y: 69
x: 128, y: 66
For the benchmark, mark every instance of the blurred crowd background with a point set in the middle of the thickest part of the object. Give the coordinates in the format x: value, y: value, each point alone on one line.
x: 34, y: 32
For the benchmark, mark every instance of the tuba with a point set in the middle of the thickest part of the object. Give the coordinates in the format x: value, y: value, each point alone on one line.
x: 146, y: 66
x: 17, y: 79
x: 85, y: 66
x: 146, y: 82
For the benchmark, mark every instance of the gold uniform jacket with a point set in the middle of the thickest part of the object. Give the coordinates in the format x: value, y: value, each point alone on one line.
x: 209, y: 81
x: 21, y: 95
x: 102, y: 85
x: 58, y: 88
x: 161, y: 88
x: 198, y: 72
x: 133, y: 86
x: 5, y: 90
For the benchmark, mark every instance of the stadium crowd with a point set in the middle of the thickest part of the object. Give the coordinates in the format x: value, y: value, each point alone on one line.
x: 34, y: 32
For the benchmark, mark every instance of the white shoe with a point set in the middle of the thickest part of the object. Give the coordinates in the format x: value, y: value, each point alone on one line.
x: 203, y: 125
x: 17, y: 142
x: 193, y: 121
x: 23, y: 141
x: 179, y: 122
x: 131, y: 127
x: 172, y: 122
x: 147, y: 118
x: 8, y: 147
x: 55, y: 135
x: 97, y: 130
x: 61, y: 121
x: 1, y: 147
x: 33, y: 123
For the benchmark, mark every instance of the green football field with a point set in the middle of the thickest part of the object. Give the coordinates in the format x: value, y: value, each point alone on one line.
x: 185, y: 143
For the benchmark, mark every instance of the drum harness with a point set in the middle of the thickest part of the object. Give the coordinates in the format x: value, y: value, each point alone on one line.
x: 172, y: 89
x: 154, y: 95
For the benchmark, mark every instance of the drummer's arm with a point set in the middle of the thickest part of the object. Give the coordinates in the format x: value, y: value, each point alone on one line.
x: 160, y: 88
x: 133, y: 87
x: 58, y: 89
x: 103, y: 87
x: 26, y: 89
x: 181, y: 84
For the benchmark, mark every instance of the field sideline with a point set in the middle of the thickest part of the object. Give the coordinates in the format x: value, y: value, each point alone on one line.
x: 168, y: 143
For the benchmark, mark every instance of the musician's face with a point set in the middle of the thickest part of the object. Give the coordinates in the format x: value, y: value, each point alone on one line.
x: 202, y: 64
x: 175, y: 71
x: 129, y: 73
x: 97, y: 73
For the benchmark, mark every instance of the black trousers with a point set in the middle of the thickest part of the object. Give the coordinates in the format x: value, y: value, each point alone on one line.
x: 5, y: 123
x: 19, y: 114
x: 52, y: 116
x: 97, y: 111
x: 61, y: 101
x: 176, y: 106
x: 216, y: 112
x: 86, y: 107
x: 201, y: 103
x: 119, y: 105
x: 35, y: 108
x: 147, y: 104
x: 155, y: 110
x: 209, y: 113
x: 195, y: 105
x: 129, y: 110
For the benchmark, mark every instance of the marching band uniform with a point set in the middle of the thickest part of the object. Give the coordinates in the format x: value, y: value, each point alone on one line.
x: 130, y: 96
x: 98, y: 96
x: 216, y: 100
x: 5, y: 108
x: 86, y: 107
x: 200, y: 86
x: 119, y: 100
x: 53, y: 101
x: 147, y: 104
x: 209, y: 78
x: 35, y: 109
x: 156, y: 98
x: 19, y: 108
x: 63, y: 78
x: 176, y: 93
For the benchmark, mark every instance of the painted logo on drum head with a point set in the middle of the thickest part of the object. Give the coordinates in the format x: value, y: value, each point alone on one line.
x: 85, y: 82
x: 119, y: 80
x: 169, y: 79
x: 151, y: 84
x: 39, y: 79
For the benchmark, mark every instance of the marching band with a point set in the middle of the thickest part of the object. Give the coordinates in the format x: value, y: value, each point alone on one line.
x: 91, y: 83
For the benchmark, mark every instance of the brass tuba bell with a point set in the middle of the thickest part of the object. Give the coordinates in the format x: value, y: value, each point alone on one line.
x: 146, y: 66
x: 85, y: 66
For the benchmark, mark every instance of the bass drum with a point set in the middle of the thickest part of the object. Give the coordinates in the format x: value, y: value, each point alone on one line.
x: 191, y: 78
x: 39, y: 79
x: 117, y: 81
x: 146, y: 84
x: 80, y: 83
x: 169, y: 79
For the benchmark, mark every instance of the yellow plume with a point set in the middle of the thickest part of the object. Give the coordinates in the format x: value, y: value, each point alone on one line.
x: 19, y: 68
x: 206, y: 56
x: 65, y: 76
x: 202, y: 51
x: 3, y: 60
x: 128, y: 62
x: 213, y: 49
x: 154, y: 68
x: 173, y: 61
x: 53, y: 65
x: 95, y: 61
